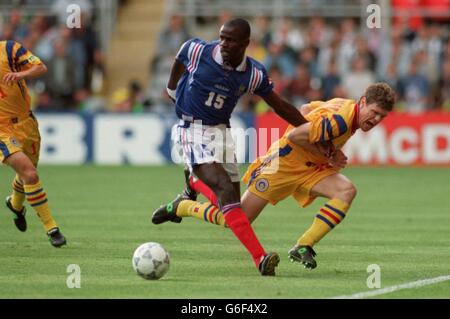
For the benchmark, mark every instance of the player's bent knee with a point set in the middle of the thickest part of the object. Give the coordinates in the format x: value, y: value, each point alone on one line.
x: 348, y: 192
x: 29, y: 175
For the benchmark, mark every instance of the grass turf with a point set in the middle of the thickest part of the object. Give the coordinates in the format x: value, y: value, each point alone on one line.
x: 400, y: 220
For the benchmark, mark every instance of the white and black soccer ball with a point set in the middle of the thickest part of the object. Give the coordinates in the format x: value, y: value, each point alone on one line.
x: 151, y: 261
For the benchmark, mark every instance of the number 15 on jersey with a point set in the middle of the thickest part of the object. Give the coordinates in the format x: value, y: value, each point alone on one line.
x: 215, y: 99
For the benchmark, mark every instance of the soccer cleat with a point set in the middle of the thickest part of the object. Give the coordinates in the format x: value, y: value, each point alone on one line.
x: 19, y: 216
x: 268, y: 264
x: 168, y: 212
x: 304, y: 255
x: 56, y: 238
x: 188, y: 191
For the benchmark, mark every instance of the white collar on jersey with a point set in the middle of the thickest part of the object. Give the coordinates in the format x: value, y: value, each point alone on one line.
x: 218, y: 58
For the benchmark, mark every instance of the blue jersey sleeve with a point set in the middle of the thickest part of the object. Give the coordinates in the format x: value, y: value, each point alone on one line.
x: 189, y: 51
x: 265, y: 86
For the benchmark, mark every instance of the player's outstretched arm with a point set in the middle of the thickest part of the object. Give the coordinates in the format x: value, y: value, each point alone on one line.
x: 177, y: 71
x: 285, y: 110
x: 300, y: 137
x: 33, y: 72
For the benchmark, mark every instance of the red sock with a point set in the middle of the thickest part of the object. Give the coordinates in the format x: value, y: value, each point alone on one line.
x: 202, y: 188
x: 239, y: 224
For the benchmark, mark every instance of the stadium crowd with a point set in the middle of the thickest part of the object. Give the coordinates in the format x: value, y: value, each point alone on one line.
x: 307, y: 59
x: 314, y: 58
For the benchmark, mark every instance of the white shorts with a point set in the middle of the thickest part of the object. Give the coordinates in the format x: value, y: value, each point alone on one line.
x: 205, y: 144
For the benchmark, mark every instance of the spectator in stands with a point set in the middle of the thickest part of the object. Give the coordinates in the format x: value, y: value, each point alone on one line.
x: 347, y: 36
x: 327, y: 54
x: 330, y: 81
x: 261, y: 32
x: 319, y: 33
x: 443, y: 92
x: 86, y: 52
x: 299, y: 88
x: 129, y: 100
x: 427, y: 67
x: 308, y: 56
x: 374, y: 37
x: 44, y: 103
x: 19, y: 29
x: 362, y: 50
x: 7, y: 32
x: 394, y: 48
x: 171, y: 38
x: 60, y: 79
x: 43, y: 36
x: 445, y: 54
x: 278, y: 55
x: 256, y: 50
x: 414, y: 89
x: 222, y: 17
x: 169, y: 42
x: 358, y: 79
x: 436, y: 41
x: 87, y: 102
x: 391, y: 76
x: 428, y: 45
x: 288, y: 36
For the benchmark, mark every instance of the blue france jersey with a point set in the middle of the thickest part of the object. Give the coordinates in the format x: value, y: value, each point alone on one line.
x: 209, y: 92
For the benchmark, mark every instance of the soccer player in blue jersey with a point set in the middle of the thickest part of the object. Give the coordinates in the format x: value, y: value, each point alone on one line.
x: 206, y: 82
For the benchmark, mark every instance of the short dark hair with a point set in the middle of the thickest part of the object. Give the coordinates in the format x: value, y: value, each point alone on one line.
x: 381, y: 94
x: 242, y: 25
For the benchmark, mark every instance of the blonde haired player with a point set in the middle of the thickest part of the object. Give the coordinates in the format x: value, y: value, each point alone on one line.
x: 308, y: 163
x: 20, y: 139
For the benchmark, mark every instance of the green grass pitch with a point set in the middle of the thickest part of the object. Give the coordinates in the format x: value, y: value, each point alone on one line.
x: 400, y: 220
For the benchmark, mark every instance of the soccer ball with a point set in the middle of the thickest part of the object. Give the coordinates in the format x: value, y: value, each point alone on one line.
x: 151, y: 261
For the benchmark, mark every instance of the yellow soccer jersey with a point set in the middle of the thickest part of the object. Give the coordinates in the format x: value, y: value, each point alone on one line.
x: 14, y: 99
x: 334, y: 120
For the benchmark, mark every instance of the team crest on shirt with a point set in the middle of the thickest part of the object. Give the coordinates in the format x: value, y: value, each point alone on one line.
x: 14, y: 142
x: 241, y: 90
x: 262, y: 185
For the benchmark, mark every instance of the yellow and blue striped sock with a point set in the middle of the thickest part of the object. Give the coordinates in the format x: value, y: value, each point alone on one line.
x: 37, y: 198
x: 203, y: 211
x: 331, y: 214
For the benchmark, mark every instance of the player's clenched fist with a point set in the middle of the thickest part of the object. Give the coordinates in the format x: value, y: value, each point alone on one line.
x: 338, y: 159
x: 326, y: 148
x: 12, y: 77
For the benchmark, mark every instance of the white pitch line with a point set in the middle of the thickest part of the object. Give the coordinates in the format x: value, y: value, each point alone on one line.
x: 414, y: 284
